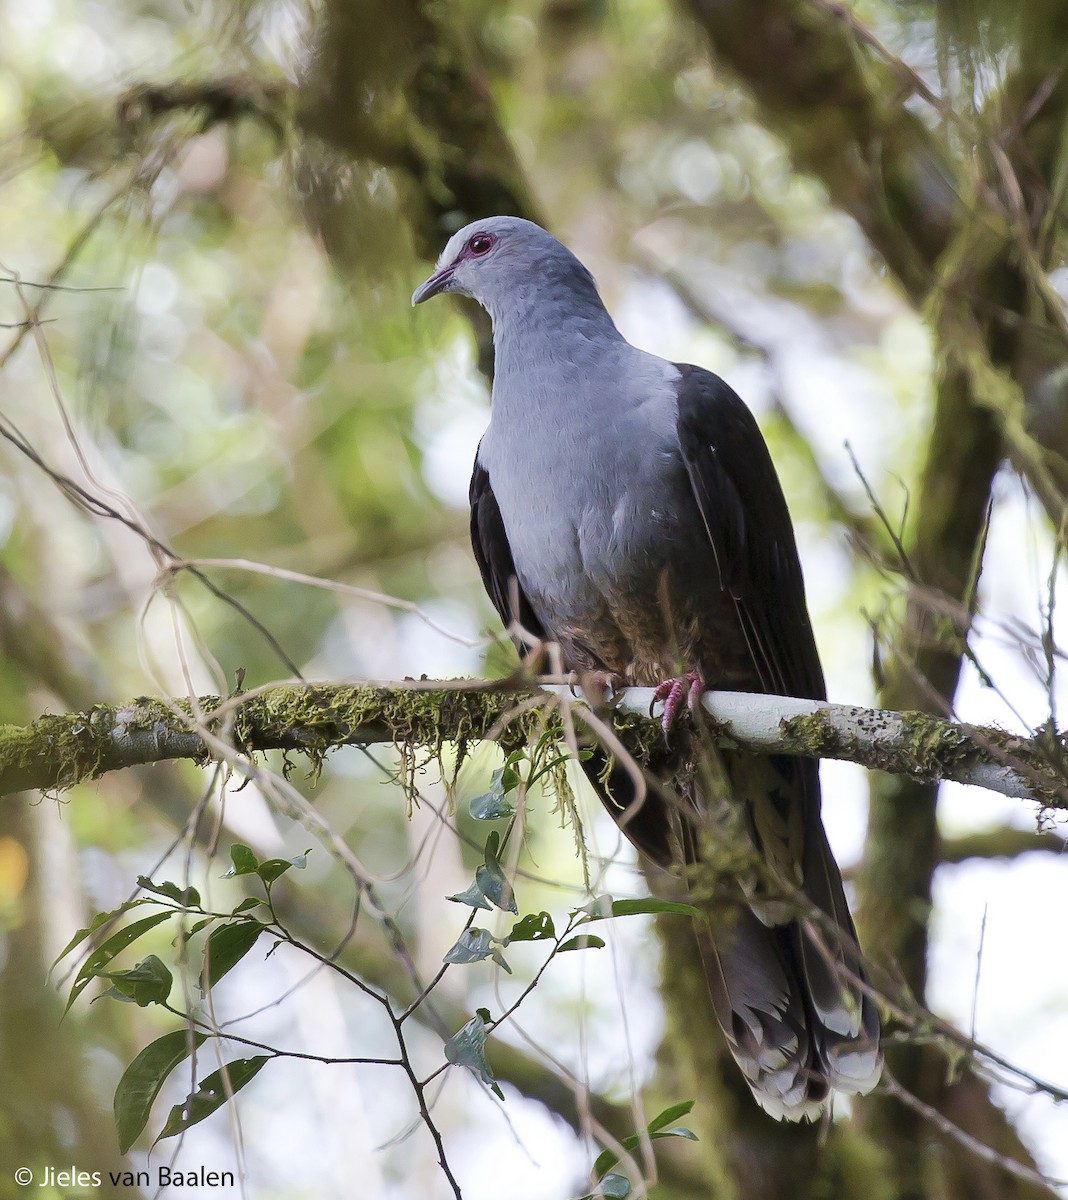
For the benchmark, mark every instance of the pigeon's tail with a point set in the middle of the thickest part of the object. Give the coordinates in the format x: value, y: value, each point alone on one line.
x: 789, y: 998
x: 787, y: 987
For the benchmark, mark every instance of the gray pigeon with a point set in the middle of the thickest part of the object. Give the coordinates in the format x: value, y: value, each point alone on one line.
x: 627, y: 508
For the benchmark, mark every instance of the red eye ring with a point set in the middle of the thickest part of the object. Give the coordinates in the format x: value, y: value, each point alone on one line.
x: 481, y: 243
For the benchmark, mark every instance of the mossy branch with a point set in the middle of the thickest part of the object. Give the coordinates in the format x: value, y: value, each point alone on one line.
x: 60, y: 751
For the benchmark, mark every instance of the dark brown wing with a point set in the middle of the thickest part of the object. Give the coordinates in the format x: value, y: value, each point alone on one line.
x: 748, y: 524
x: 494, y: 555
x: 747, y: 521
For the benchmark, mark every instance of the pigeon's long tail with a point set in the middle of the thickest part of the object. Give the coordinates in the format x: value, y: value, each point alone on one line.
x: 789, y: 996
x: 787, y: 988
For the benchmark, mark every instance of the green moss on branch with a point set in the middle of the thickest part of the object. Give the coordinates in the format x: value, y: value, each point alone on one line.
x: 61, y: 751
x: 421, y: 717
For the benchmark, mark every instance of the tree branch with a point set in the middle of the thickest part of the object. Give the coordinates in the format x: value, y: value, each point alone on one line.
x: 838, y: 106
x: 59, y: 751
x: 1003, y: 842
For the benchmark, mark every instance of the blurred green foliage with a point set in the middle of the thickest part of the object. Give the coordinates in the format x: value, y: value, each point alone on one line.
x: 232, y: 360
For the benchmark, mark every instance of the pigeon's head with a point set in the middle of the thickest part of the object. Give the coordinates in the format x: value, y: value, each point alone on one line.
x: 490, y: 260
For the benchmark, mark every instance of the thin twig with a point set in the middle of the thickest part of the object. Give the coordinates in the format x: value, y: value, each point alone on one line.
x: 944, y: 1125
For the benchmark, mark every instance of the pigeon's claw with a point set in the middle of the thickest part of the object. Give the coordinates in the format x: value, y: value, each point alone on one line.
x: 599, y: 686
x: 672, y: 691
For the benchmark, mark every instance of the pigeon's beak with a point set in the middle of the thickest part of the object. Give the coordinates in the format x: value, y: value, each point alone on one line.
x: 438, y: 282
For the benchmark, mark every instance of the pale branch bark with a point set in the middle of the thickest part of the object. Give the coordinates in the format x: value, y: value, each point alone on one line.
x: 59, y: 751
x: 906, y: 743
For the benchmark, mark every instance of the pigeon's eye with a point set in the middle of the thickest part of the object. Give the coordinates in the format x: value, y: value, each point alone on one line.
x: 480, y: 243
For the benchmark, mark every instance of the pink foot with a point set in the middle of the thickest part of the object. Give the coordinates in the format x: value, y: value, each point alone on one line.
x: 672, y: 691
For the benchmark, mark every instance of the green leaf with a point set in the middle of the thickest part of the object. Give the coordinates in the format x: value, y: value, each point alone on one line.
x: 227, y: 945
x: 491, y: 805
x: 614, y: 1187
x: 657, y: 1128
x: 196, y: 927
x: 607, y: 1159
x: 245, y: 862
x: 490, y: 879
x: 490, y: 886
x: 680, y: 1131
x: 113, y: 993
x: 107, y: 950
x: 631, y: 908
x: 670, y: 1115
x: 246, y: 904
x: 534, y: 927
x: 546, y: 767
x: 610, y: 1188
x: 147, y: 983
x: 213, y: 1093
x: 466, y: 1048
x: 273, y: 868
x: 142, y: 1079
x: 599, y: 910
x: 475, y: 945
x: 473, y: 897
x: 582, y: 941
x: 187, y: 897
x: 101, y: 919
x: 599, y: 906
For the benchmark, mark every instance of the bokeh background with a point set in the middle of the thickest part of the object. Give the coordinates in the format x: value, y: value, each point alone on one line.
x: 854, y: 214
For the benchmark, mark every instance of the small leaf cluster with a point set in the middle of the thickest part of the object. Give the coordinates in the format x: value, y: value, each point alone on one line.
x: 611, y: 1185
x: 230, y: 937
x: 492, y: 889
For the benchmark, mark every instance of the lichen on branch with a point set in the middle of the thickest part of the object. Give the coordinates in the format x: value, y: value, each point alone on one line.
x: 59, y: 751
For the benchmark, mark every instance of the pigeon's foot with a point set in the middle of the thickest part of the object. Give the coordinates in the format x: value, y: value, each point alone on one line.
x: 599, y: 686
x: 672, y: 691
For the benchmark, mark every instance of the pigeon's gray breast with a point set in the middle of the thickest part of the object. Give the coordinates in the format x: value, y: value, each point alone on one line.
x: 594, y: 496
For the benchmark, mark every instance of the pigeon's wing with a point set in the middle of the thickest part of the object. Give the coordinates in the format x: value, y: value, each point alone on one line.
x: 748, y: 525
x: 493, y: 554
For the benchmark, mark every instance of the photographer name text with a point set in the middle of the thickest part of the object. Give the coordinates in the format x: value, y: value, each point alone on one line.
x: 160, y: 1177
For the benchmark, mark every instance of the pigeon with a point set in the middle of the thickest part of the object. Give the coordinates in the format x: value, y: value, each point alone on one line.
x: 627, y: 509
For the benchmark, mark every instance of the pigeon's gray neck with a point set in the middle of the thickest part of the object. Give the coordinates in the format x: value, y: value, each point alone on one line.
x: 549, y: 334
x: 556, y: 303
